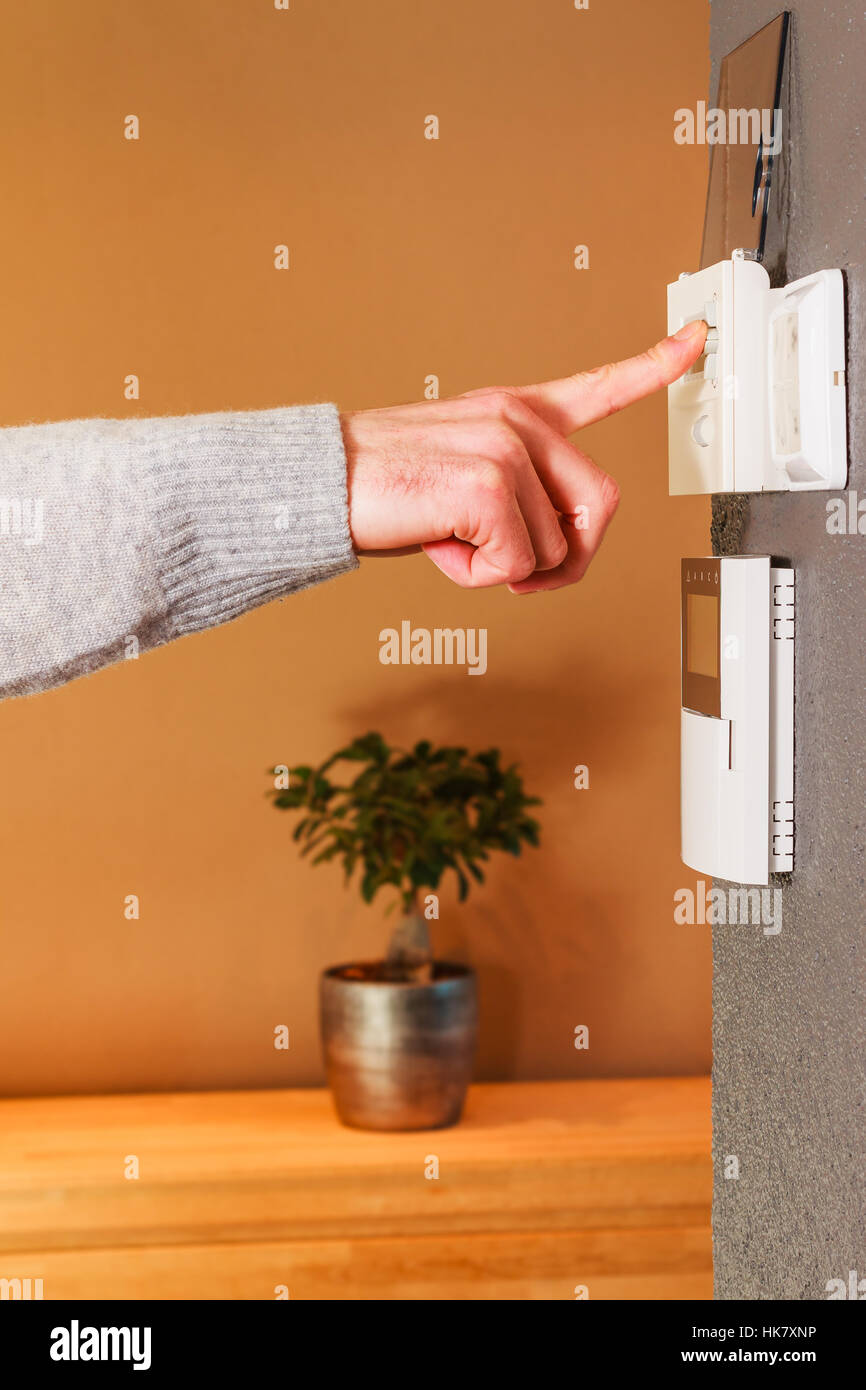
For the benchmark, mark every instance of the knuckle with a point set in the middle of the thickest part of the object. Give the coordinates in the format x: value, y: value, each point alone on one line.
x: 553, y: 550
x: 657, y: 364
x: 490, y: 478
x: 480, y: 393
x: 609, y: 494
x: 520, y: 567
x: 504, y: 445
x: 515, y: 410
x: 502, y: 401
x: 597, y: 376
x: 599, y: 383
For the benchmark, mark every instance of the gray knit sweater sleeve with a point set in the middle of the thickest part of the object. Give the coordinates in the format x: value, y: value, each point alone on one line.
x: 148, y: 529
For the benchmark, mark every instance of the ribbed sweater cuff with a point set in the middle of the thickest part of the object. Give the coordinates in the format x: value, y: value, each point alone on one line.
x: 248, y: 506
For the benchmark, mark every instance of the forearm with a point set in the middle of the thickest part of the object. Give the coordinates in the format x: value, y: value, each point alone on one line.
x: 151, y: 529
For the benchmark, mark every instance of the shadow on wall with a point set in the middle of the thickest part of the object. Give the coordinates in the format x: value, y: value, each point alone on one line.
x: 549, y: 716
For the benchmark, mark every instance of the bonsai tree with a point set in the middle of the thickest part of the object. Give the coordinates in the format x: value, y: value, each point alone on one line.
x: 403, y: 821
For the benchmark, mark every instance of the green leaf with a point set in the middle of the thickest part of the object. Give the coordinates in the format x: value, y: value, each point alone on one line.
x: 410, y: 818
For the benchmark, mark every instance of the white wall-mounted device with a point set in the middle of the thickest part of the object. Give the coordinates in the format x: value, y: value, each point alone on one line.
x: 737, y: 733
x: 763, y: 408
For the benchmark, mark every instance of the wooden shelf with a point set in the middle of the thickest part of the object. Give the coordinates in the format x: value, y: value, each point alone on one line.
x: 543, y: 1187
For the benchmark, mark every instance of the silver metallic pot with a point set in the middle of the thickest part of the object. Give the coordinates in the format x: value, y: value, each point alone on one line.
x: 398, y: 1054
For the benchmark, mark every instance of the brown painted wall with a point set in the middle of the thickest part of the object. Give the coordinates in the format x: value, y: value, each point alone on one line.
x: 409, y: 257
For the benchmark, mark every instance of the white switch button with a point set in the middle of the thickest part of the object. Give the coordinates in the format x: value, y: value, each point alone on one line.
x: 763, y: 407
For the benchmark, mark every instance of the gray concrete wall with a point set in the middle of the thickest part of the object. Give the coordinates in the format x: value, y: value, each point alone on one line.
x: 789, y: 1098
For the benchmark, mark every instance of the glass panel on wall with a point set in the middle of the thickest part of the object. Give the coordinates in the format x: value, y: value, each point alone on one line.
x: 744, y: 132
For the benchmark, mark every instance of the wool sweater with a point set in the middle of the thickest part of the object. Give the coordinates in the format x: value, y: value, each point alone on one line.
x: 149, y: 529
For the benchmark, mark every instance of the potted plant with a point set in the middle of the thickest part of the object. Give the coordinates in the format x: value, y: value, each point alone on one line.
x: 398, y: 1034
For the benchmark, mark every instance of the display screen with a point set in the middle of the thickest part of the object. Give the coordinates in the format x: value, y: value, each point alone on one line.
x: 702, y: 635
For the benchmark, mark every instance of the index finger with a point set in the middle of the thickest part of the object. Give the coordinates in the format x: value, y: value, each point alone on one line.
x: 571, y: 402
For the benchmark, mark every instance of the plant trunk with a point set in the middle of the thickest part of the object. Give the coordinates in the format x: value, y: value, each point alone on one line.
x: 410, y: 951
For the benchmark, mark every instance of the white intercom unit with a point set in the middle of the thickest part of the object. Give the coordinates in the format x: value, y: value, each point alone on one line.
x: 763, y: 408
x: 737, y: 735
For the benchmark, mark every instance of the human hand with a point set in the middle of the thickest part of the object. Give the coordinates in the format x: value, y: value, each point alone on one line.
x: 487, y: 484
